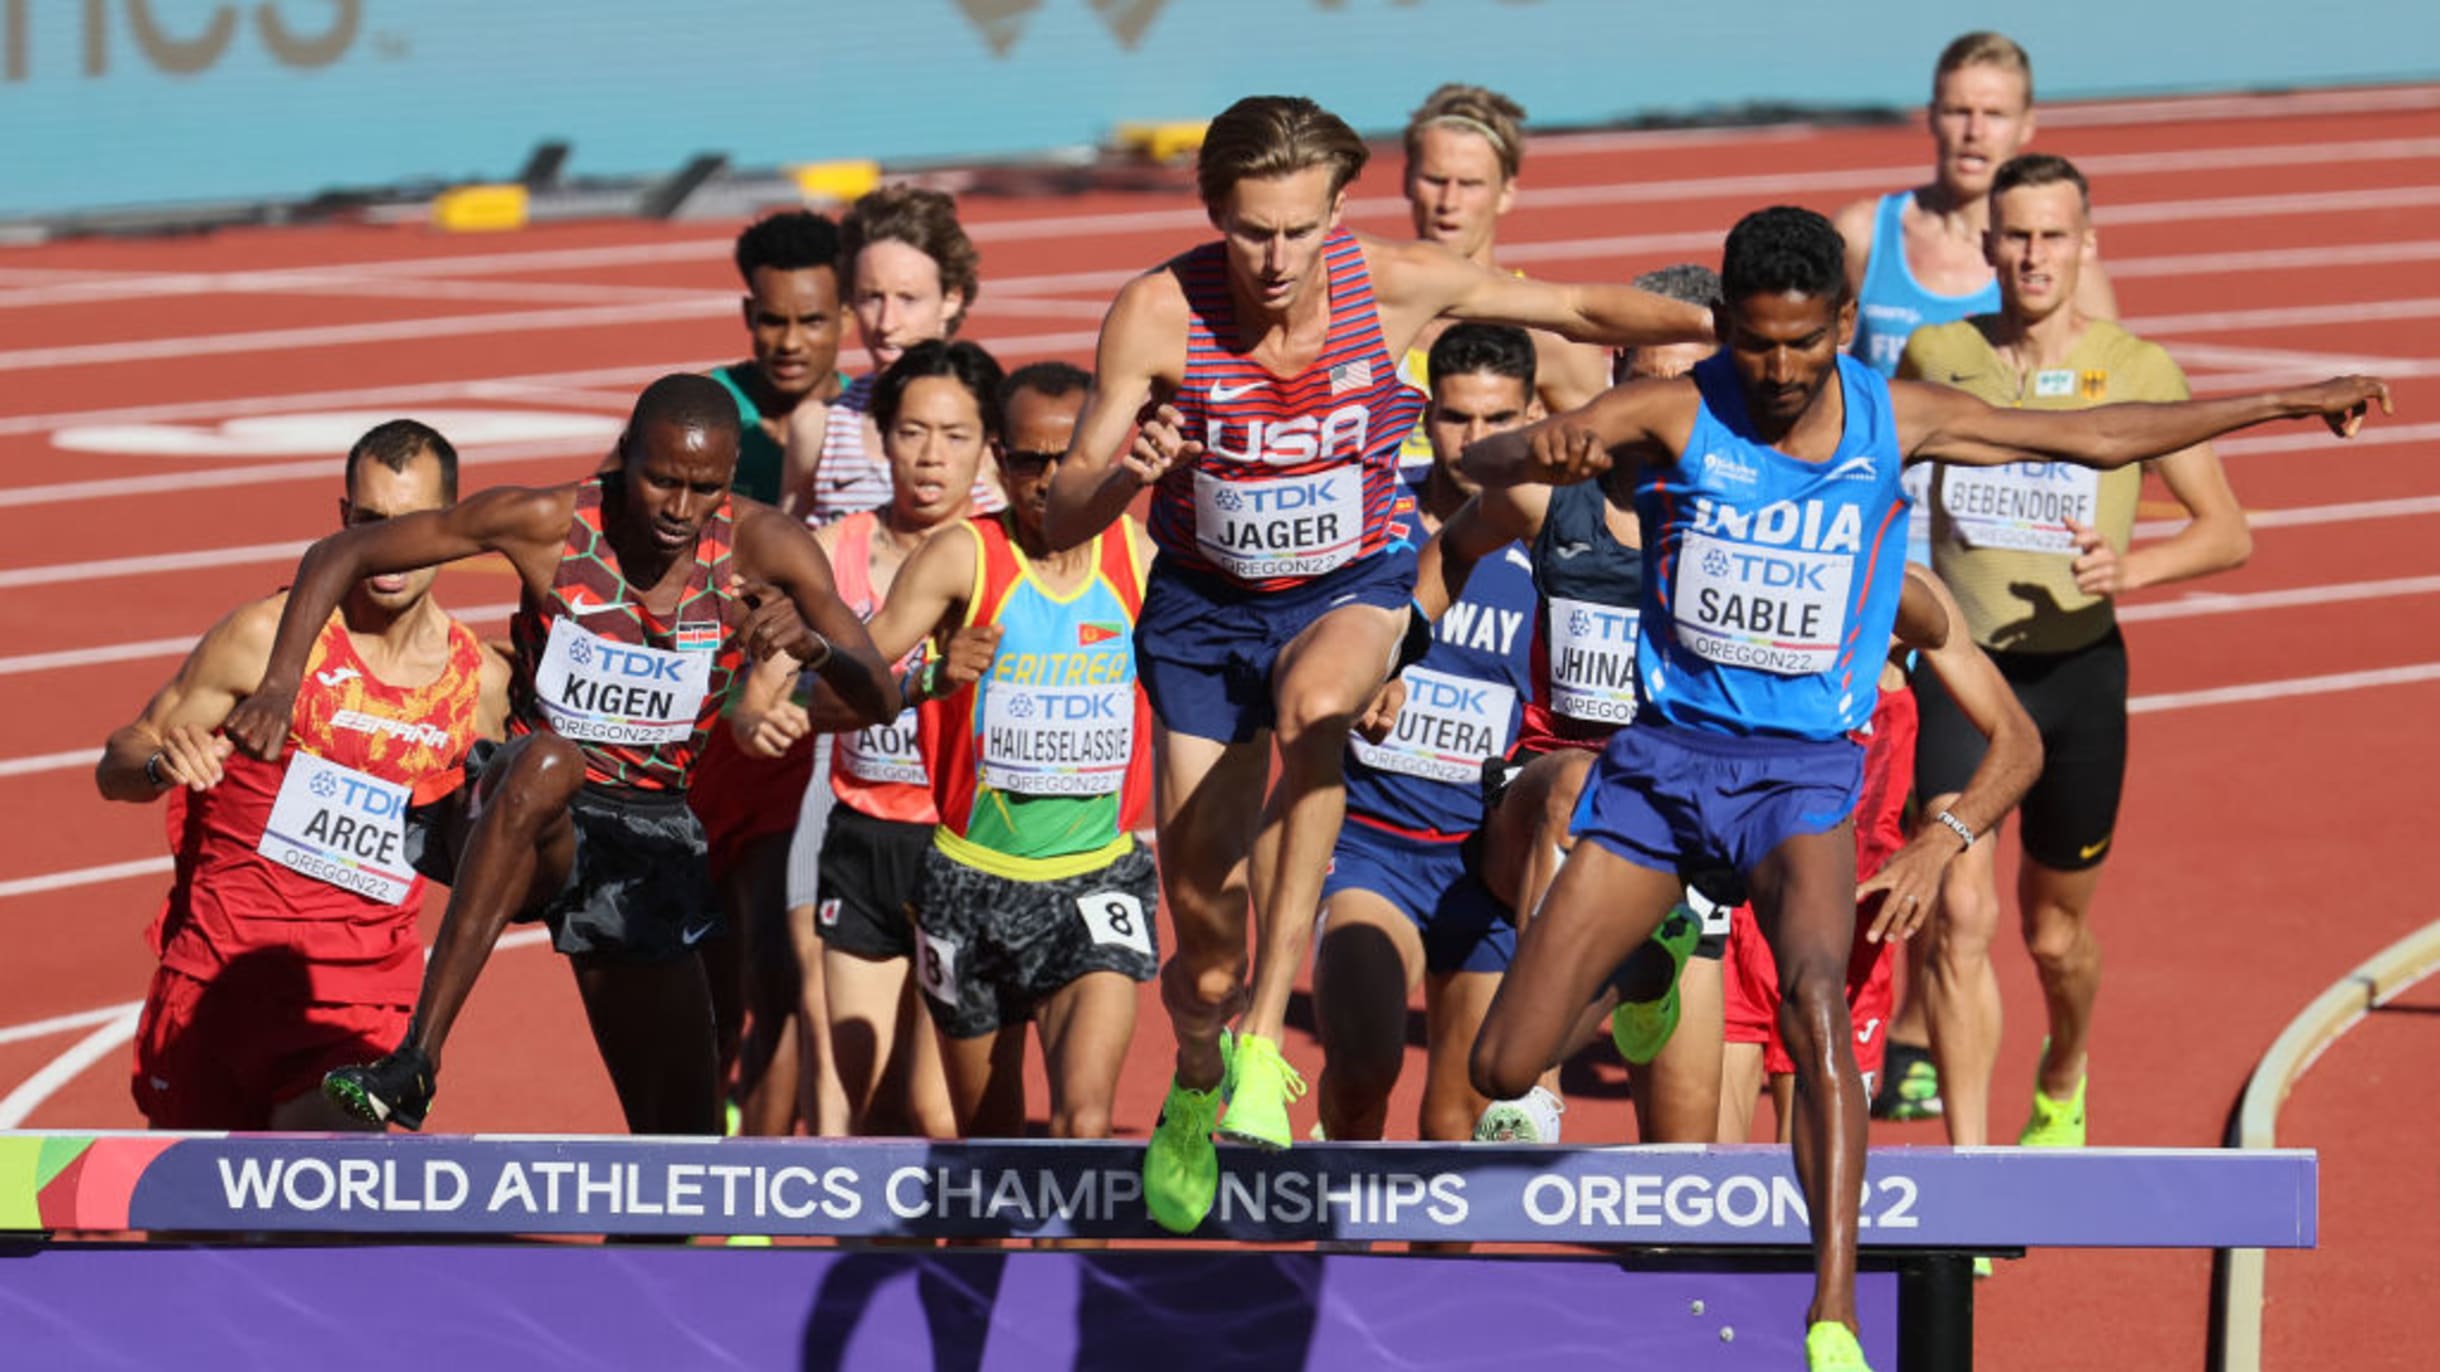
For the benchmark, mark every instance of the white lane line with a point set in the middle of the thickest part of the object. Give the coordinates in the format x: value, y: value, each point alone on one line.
x: 49, y: 762
x: 175, y: 647
x: 46, y: 1081
x: 2332, y: 684
x: 316, y: 281
x: 2301, y: 516
x: 61, y: 1024
x: 418, y: 393
x: 2220, y: 603
x: 2289, y: 316
x: 2276, y: 259
x: 84, y: 876
x: 2319, y: 439
x: 250, y: 554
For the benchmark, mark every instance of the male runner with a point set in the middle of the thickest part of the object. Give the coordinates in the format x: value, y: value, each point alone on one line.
x: 1915, y: 257
x: 1036, y: 902
x: 2038, y: 554
x: 1402, y: 905
x: 789, y: 263
x: 288, y: 940
x: 1770, y: 503
x: 1464, y: 147
x: 631, y: 622
x: 1280, y: 592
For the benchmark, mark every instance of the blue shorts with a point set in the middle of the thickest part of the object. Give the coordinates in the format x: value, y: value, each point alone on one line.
x: 1464, y: 929
x: 1205, y: 646
x: 1709, y: 806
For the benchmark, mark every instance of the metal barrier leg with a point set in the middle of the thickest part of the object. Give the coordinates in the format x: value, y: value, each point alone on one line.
x: 1936, y: 1312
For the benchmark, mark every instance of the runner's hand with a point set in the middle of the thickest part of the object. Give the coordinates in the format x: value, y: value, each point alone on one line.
x: 1160, y: 444
x: 260, y: 722
x: 773, y: 626
x: 968, y: 656
x: 1911, y: 878
x: 1561, y: 454
x: 2098, y: 569
x: 1380, y: 717
x: 2343, y: 401
x: 778, y: 730
x: 191, y: 757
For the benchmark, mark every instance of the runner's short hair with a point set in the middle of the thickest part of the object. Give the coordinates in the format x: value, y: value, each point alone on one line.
x: 965, y: 363
x: 2039, y: 169
x: 1054, y: 380
x: 1784, y: 250
x: 398, y: 442
x: 1275, y: 135
x: 1473, y: 348
x: 789, y: 241
x: 1478, y: 110
x: 925, y: 220
x: 684, y: 400
x: 1690, y: 282
x: 1983, y: 48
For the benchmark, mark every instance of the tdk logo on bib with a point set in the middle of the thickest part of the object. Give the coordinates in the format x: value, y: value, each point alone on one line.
x: 1062, y: 705
x: 339, y: 825
x: 1767, y: 588
x: 1278, y: 497
x: 1304, y: 438
x: 609, y: 659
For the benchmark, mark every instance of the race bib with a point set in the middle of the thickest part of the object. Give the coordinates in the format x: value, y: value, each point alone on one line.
x: 1449, y: 725
x: 936, y: 967
x: 1712, y: 915
x: 338, y: 825
x: 884, y: 753
x: 1116, y: 917
x: 1773, y: 609
x: 597, y: 691
x: 1057, y: 740
x: 1592, y: 661
x: 2022, y: 506
x: 1280, y: 526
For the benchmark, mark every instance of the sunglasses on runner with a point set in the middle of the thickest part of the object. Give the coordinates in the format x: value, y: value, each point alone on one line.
x: 1021, y: 461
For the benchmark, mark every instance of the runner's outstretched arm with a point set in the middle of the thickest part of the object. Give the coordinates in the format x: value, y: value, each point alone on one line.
x: 1431, y: 277
x: 1143, y: 346
x: 1943, y: 425
x: 175, y: 741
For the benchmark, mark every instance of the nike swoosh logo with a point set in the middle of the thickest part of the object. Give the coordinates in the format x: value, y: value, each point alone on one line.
x: 1955, y: 377
x: 2091, y: 851
x: 1224, y: 394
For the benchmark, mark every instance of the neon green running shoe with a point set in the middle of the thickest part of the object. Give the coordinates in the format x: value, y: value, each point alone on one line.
x: 1261, y: 1086
x: 732, y: 1119
x: 2055, y: 1123
x: 1641, y: 1028
x: 1831, y: 1347
x: 1910, y: 1085
x: 1181, y: 1168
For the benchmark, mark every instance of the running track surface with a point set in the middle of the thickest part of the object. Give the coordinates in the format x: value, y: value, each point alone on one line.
x: 2275, y: 829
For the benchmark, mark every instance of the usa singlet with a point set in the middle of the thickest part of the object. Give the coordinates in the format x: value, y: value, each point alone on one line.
x: 1771, y: 584
x: 1042, y: 768
x: 309, y: 853
x: 636, y: 693
x: 1298, y: 475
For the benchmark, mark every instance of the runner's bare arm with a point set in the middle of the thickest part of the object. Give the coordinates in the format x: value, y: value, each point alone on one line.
x: 1490, y: 520
x: 775, y: 548
x: 2215, y: 538
x: 525, y: 525
x: 927, y: 599
x: 1854, y: 224
x: 1653, y: 417
x: 176, y: 735
x: 491, y: 694
x: 2008, y: 766
x: 1941, y: 425
x: 801, y: 456
x: 1427, y: 279
x: 1568, y: 375
x: 1141, y: 356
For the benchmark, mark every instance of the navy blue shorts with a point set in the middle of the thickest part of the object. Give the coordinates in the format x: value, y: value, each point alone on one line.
x: 1205, y: 646
x: 1463, y: 928
x: 1707, y: 806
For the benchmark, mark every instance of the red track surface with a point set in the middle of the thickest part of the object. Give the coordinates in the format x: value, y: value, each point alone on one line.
x: 2268, y: 846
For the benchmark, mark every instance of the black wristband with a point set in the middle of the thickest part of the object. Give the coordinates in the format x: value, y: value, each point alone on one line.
x: 152, y: 771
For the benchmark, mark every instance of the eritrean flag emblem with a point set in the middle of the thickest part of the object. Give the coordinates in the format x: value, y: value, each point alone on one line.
x: 1089, y: 634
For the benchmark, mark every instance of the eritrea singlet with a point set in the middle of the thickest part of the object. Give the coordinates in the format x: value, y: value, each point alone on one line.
x: 1298, y: 475
x: 760, y: 457
x: 308, y: 854
x: 1999, y: 537
x: 1591, y: 590
x: 1771, y: 584
x: 634, y: 692
x: 879, y: 770
x: 1463, y: 703
x: 1042, y: 768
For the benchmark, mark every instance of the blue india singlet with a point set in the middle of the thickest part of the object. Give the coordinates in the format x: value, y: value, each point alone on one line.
x: 1771, y: 584
x: 1463, y: 701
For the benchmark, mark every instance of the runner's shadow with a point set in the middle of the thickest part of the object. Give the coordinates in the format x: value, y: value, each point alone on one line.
x: 956, y: 1293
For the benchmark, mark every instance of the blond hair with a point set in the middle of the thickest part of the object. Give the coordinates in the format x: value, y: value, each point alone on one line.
x: 1275, y: 135
x: 1478, y: 110
x: 1983, y: 48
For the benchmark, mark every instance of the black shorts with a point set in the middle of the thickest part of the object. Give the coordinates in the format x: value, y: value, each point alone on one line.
x: 995, y: 947
x: 2078, y: 701
x: 869, y: 871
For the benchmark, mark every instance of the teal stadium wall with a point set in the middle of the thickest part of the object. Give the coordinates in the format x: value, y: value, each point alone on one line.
x: 147, y: 102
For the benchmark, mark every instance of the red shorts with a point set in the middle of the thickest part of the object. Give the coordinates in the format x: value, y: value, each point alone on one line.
x: 1752, y: 974
x: 741, y: 798
x: 213, y: 1055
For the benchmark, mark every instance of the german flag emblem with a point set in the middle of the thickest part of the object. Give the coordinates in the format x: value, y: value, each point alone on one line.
x: 2093, y: 385
x: 1089, y: 634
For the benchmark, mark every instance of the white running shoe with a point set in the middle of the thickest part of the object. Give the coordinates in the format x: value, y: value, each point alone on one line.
x: 1530, y: 1118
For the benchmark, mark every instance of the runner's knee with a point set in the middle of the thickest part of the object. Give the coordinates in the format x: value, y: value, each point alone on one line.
x: 1501, y: 1067
x: 1081, y: 1119
x: 545, y: 775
